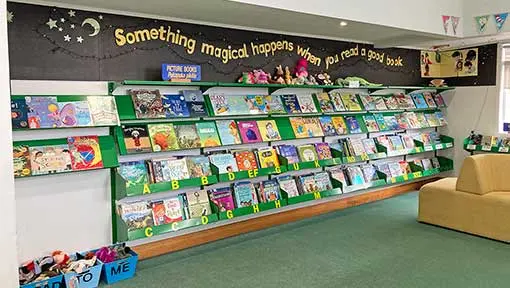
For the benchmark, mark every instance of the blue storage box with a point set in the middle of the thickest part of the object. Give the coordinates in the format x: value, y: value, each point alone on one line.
x: 121, y: 269
x: 87, y: 279
x: 53, y: 282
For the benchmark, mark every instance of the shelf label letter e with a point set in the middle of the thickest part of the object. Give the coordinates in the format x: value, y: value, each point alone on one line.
x: 253, y: 173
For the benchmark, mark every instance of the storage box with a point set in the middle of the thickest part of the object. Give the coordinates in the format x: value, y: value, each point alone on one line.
x: 87, y: 279
x: 121, y: 269
x: 53, y: 282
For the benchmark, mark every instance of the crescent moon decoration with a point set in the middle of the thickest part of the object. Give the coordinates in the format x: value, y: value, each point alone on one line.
x: 94, y: 24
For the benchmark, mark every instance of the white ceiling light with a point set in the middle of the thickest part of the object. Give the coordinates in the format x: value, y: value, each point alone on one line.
x: 343, y: 24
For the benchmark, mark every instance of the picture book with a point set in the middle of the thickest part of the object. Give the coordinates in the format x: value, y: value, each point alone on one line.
x: 291, y: 104
x: 307, y: 184
x: 103, y: 110
x: 21, y: 160
x: 250, y: 132
x: 268, y: 157
x: 175, y: 106
x: 269, y: 190
x: 137, y: 215
x: 355, y: 175
x: 368, y: 102
x: 198, y: 203
x: 370, y: 123
x: 256, y: 104
x: 85, y: 152
x: 384, y: 141
x: 401, y: 121
x: 268, y: 130
x: 323, y: 151
x: 357, y: 146
x: 408, y: 141
x: 440, y: 117
x: 175, y: 169
x: 336, y: 99
x: 313, y: 127
x: 136, y: 138
x: 391, y: 122
x: 134, y: 173
x: 425, y: 138
x: 50, y: 159
x: 222, y: 198
x: 421, y: 120
x: 174, y: 209
x: 198, y: 166
x: 384, y: 168
x: 381, y: 123
x: 298, y: 126
x: 435, y: 138
x: 274, y: 103
x: 353, y: 125
x: 325, y: 103
x: 162, y: 137
x: 208, y: 134
x: 391, y: 102
x: 412, y: 120
x: 427, y: 164
x: 147, y: 103
x: 229, y: 134
x: 338, y: 174
x: 369, y: 173
x: 432, y: 119
x: 19, y: 113
x: 418, y: 163
x: 379, y: 103
x: 74, y: 114
x: 351, y: 102
x: 156, y: 169
x: 396, y: 143
x: 435, y: 162
x: 245, y: 194
x: 404, y: 167
x: 429, y: 99
x: 395, y: 169
x: 419, y: 101
x: 224, y: 105
x: 187, y: 136
x: 224, y: 162
x: 323, y: 181
x: 288, y: 185
x: 439, y: 100
x: 307, y: 153
x: 346, y: 147
x: 306, y: 103
x: 327, y: 126
x: 195, y: 102
x: 405, y: 101
x: 42, y: 112
x: 369, y: 146
x: 289, y: 152
x: 246, y: 160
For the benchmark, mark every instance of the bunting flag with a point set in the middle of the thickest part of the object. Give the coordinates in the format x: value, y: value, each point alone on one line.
x: 481, y: 23
x: 446, y: 20
x: 455, y: 24
x: 500, y: 20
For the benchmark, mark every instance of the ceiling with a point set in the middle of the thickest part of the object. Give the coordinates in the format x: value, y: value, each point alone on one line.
x: 256, y: 18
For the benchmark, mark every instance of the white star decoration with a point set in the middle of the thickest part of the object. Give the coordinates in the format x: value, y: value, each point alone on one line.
x: 71, y: 13
x: 62, y: 20
x: 60, y: 29
x: 72, y: 26
x: 67, y: 38
x: 100, y: 17
x: 79, y: 39
x: 52, y: 24
x: 10, y: 17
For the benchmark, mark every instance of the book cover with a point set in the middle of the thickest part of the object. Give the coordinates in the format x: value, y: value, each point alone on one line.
x: 168, y: 210
x: 175, y: 106
x: 195, y: 103
x: 327, y: 126
x: 50, y: 159
x: 422, y: 121
x: 439, y: 100
x: 220, y: 105
x: 162, y: 137
x: 288, y: 185
x: 137, y: 215
x: 402, y: 121
x: 268, y: 130
x: 384, y: 168
x: 347, y: 147
x: 187, y: 136
x: 307, y: 153
x: 412, y: 119
x: 291, y: 104
x: 391, y: 122
x: 85, y: 152
x: 147, y: 103
x: 384, y: 141
x: 369, y: 146
x: 418, y: 163
x: 322, y: 181
x: 246, y: 160
x: 391, y: 102
x: 432, y: 119
x: 229, y: 134
x: 134, y: 173
x: 42, y: 112
x: 419, y: 101
x: 357, y: 146
x: 256, y: 104
x: 379, y: 103
x: 222, y: 198
x: 306, y: 103
x: 268, y: 157
x: 368, y: 102
x: 338, y: 174
x: 103, y: 110
x: 435, y: 138
x: 198, y: 166
x: 323, y: 151
x: 351, y: 102
x: 298, y: 126
x: 175, y: 169
x: 429, y: 99
x: 370, y: 123
x: 208, y: 134
x: 313, y: 127
x: 427, y: 164
x: 405, y: 101
x: 425, y: 138
x: 224, y: 162
x: 269, y: 190
x: 336, y: 99
x: 198, y: 203
x: 75, y: 114
x: 158, y: 212
x: 381, y: 123
x: 396, y: 143
x: 440, y: 117
x: 21, y: 160
x: 395, y: 169
x: 274, y: 103
x: 289, y: 152
x: 136, y: 138
x: 435, y: 163
x: 353, y: 125
x: 245, y: 194
x: 325, y: 103
x: 408, y: 141
x: 307, y: 184
x: 19, y: 113
x: 249, y: 131
x: 404, y: 167
x: 355, y: 175
x: 369, y: 173
x: 156, y: 169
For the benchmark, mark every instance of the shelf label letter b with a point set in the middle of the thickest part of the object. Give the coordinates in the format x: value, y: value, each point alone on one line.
x: 205, y: 180
x: 175, y: 184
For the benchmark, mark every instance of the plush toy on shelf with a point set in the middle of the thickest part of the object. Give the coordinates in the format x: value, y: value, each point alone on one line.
x: 301, y: 72
x: 362, y: 82
x: 323, y: 79
x: 261, y: 77
x: 247, y: 78
x: 279, y: 76
x: 311, y: 80
x: 288, y: 77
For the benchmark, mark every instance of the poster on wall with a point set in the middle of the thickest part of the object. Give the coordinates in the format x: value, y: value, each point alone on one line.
x: 451, y: 63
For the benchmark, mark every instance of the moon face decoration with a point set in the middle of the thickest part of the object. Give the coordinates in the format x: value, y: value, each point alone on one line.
x: 94, y: 24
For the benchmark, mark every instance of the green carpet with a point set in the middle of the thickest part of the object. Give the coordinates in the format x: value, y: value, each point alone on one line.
x: 374, y: 245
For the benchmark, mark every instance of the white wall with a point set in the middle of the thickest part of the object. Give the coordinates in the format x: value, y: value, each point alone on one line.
x: 473, y: 8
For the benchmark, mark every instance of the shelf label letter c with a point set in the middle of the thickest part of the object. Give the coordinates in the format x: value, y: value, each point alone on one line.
x: 148, y: 232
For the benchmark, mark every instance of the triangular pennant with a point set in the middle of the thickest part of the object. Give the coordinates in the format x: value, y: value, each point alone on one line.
x: 500, y: 20
x: 446, y: 20
x: 455, y: 23
x: 481, y: 23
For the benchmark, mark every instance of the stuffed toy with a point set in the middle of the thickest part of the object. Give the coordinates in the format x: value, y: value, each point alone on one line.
x: 60, y: 258
x: 261, y: 77
x: 279, y: 76
x: 288, y: 77
x: 106, y: 255
x: 301, y: 72
x: 324, y: 79
x: 247, y: 78
x: 362, y: 82
x: 311, y: 80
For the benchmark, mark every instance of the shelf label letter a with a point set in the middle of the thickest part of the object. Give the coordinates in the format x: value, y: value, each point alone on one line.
x: 146, y: 189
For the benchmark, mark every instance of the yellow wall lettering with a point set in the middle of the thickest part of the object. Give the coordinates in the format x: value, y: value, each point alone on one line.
x: 316, y: 195
x: 231, y: 176
x: 230, y: 215
x: 205, y: 220
x: 277, y: 204
x: 175, y: 184
x: 296, y: 166
x: 256, y: 208
x: 174, y: 226
x: 146, y: 189
x: 148, y: 232
x: 204, y: 180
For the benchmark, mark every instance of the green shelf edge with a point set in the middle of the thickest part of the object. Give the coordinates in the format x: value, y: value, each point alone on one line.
x: 254, y: 209
x: 249, y: 174
x: 480, y: 148
x: 170, y: 186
